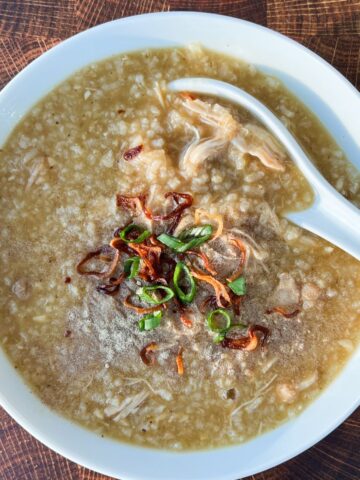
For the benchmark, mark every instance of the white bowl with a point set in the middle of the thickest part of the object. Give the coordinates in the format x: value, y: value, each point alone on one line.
x: 333, y: 99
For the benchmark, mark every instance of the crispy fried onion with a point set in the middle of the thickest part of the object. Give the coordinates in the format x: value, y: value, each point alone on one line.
x: 282, y: 311
x: 147, y: 353
x: 137, y: 309
x: 250, y: 341
x: 106, y: 253
x: 182, y: 200
x: 236, y: 301
x: 220, y: 289
x: 200, y: 212
x: 186, y: 320
x: 120, y: 245
x: 137, y: 204
x: 108, y: 289
x: 180, y: 362
x: 205, y: 259
x: 184, y: 313
x: 236, y: 242
x: 150, y: 256
x: 131, y: 153
x: 211, y: 303
x: 113, y: 286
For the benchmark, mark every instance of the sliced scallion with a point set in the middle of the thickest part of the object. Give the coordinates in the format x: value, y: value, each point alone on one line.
x: 150, y: 321
x: 131, y: 266
x: 190, y: 238
x: 238, y: 286
x: 202, y: 232
x: 219, y: 337
x: 143, y: 234
x: 171, y: 242
x: 219, y: 320
x: 148, y: 294
x: 189, y: 296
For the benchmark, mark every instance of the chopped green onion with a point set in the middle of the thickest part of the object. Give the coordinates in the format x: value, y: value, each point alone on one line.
x: 131, y: 266
x: 200, y: 231
x: 142, y: 236
x: 147, y: 294
x: 184, y: 297
x: 150, y: 321
x: 238, y: 286
x: 214, y: 324
x: 191, y: 238
x: 171, y: 242
x: 219, y: 337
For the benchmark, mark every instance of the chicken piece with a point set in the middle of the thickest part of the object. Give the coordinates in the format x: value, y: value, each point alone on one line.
x: 198, y: 151
x: 218, y: 117
x: 286, y: 393
x: 225, y: 128
x: 287, y: 293
x: 260, y: 143
x: 248, y: 138
x: 310, y: 293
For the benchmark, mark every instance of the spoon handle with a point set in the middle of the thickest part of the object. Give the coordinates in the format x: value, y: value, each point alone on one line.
x: 331, y: 216
x: 337, y: 225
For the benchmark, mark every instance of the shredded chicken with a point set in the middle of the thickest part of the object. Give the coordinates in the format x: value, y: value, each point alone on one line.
x: 287, y: 293
x: 127, y: 407
x: 260, y: 143
x: 37, y: 171
x: 225, y: 128
x: 198, y: 151
x: 268, y: 218
x: 214, y: 115
x: 259, y: 393
x: 308, y: 381
x: 248, y: 138
x: 159, y: 94
x: 310, y: 293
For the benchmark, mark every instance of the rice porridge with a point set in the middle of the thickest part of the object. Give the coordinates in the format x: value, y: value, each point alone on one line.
x: 151, y: 289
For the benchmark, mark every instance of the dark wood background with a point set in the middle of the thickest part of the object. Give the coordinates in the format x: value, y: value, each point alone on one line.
x: 329, y: 27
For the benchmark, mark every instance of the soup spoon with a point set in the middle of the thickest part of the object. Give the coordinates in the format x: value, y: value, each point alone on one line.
x: 330, y: 216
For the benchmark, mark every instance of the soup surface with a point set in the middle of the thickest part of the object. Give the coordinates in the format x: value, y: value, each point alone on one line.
x: 275, y: 313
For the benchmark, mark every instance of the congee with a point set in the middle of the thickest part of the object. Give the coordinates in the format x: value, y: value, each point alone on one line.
x: 151, y: 288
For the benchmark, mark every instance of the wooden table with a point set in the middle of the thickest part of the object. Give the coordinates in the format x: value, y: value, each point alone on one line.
x: 329, y: 27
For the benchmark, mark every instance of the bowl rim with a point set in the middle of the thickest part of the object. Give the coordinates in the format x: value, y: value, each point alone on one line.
x: 175, y: 460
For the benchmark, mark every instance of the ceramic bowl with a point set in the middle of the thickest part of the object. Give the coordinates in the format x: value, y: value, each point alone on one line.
x: 330, y: 96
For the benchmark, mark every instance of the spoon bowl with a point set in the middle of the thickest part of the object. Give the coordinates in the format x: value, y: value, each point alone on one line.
x: 331, y: 216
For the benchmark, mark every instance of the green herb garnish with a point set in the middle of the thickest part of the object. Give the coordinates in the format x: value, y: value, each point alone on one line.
x: 148, y: 294
x: 189, y: 296
x: 190, y: 238
x: 131, y: 266
x: 172, y: 242
x: 238, y: 286
x: 150, y: 321
x: 219, y: 320
x: 140, y: 238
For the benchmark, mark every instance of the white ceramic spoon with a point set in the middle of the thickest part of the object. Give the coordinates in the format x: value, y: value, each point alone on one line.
x: 331, y: 216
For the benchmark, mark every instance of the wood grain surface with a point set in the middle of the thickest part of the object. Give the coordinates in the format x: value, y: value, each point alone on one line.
x: 331, y: 28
